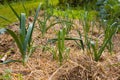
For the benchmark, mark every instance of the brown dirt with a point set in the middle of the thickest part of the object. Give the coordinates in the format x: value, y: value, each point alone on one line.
x: 42, y: 66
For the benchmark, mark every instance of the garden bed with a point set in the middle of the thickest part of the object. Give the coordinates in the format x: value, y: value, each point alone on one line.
x: 41, y: 65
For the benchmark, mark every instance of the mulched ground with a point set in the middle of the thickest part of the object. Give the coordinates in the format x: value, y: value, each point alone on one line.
x: 42, y: 66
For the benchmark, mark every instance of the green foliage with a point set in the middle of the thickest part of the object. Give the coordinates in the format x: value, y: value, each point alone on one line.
x: 109, y: 11
x: 6, y: 75
x: 47, y: 3
x: 75, y: 3
x: 54, y: 2
x: 10, y: 1
x: 110, y: 17
x: 5, y: 11
x: 66, y: 21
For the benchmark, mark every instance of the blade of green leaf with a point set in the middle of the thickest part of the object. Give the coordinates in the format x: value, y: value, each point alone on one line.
x: 94, y: 49
x: 14, y: 36
x: 36, y: 15
x: 63, y: 38
x: 56, y: 39
x: 52, y: 25
x: 81, y: 41
x: 114, y: 29
x: 59, y: 46
x: 9, y: 61
x: 35, y: 18
x: 22, y: 27
x: 28, y: 37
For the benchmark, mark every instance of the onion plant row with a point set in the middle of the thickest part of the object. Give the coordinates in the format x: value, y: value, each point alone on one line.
x: 24, y: 37
x: 85, y: 41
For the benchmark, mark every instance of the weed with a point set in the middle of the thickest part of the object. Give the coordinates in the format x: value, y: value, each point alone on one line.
x: 6, y: 75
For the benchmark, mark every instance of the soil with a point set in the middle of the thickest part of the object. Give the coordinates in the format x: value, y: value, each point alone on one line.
x: 41, y: 65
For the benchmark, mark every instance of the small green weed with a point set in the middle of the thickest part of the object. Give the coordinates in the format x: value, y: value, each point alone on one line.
x: 6, y: 75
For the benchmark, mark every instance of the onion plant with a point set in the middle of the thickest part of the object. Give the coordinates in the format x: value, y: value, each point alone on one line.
x: 24, y: 37
x: 46, y: 22
x: 86, y: 29
x: 61, y: 45
x: 43, y: 23
x: 91, y: 44
x: 67, y: 22
x: 47, y: 15
x: 63, y: 52
x: 44, y: 26
x: 109, y: 33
